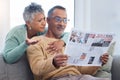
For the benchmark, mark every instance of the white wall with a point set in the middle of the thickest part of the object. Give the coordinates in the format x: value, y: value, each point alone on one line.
x: 106, y: 18
x: 99, y: 16
x: 4, y: 21
x: 17, y: 7
x: 83, y: 14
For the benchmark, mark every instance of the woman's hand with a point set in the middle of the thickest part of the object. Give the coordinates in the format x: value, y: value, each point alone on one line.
x: 30, y: 41
x: 55, y: 46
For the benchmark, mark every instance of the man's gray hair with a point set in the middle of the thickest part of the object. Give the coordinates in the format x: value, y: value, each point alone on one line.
x: 31, y: 10
x: 50, y: 12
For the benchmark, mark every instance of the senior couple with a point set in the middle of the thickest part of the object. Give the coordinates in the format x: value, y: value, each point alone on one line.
x: 45, y: 47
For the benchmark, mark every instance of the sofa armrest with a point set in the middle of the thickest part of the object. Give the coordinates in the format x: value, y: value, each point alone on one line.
x: 116, y: 67
x: 17, y: 71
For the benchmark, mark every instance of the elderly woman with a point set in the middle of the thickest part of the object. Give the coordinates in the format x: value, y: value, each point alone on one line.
x: 19, y: 38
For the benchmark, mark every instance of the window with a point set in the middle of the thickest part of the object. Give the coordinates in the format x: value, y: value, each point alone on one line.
x: 17, y: 8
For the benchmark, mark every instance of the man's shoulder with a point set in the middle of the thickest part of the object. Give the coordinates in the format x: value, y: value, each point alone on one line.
x: 36, y: 45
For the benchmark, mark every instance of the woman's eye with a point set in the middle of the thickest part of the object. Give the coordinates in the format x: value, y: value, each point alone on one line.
x: 41, y: 19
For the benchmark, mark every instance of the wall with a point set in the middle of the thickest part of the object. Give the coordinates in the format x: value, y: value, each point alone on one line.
x: 99, y: 16
x: 4, y: 21
x: 82, y: 13
x: 105, y: 17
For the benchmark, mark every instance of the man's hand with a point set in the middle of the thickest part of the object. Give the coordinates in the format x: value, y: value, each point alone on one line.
x: 104, y: 58
x: 55, y: 46
x: 60, y: 60
x: 30, y: 41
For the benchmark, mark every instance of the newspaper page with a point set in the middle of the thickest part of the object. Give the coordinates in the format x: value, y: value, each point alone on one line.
x: 85, y: 48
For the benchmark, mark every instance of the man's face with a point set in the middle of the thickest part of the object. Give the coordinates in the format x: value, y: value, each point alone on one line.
x: 57, y: 22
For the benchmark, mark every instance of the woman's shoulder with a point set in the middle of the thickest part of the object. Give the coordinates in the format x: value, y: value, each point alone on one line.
x: 17, y: 29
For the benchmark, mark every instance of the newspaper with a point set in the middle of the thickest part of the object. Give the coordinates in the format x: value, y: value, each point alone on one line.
x: 85, y: 48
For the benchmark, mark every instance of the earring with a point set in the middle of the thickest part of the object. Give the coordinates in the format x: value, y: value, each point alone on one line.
x: 30, y: 28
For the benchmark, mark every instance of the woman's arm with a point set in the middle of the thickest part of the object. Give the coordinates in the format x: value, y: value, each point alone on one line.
x: 13, y: 50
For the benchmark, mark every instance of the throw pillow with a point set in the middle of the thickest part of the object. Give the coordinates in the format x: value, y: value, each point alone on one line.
x: 105, y: 70
x: 111, y: 48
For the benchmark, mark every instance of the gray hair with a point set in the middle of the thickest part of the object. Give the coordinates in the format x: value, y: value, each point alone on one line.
x: 50, y: 12
x: 31, y: 10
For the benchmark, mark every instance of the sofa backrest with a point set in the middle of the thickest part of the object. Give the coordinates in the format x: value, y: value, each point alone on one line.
x: 17, y: 71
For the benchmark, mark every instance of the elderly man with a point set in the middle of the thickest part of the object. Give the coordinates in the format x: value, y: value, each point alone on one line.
x: 47, y: 65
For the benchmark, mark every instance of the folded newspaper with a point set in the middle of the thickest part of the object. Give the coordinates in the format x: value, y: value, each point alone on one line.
x: 85, y: 48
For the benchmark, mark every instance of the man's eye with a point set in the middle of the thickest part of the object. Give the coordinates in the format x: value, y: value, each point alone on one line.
x: 58, y: 19
x: 65, y: 20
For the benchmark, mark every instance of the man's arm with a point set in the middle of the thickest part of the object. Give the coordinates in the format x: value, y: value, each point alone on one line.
x: 38, y: 62
x: 104, y: 58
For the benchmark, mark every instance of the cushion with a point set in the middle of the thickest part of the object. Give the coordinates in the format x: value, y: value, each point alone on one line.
x: 111, y: 48
x: 107, y: 67
x: 19, y: 70
x: 103, y: 74
x: 105, y: 70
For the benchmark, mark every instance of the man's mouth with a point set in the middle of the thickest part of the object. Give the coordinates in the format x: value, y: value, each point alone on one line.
x: 60, y: 28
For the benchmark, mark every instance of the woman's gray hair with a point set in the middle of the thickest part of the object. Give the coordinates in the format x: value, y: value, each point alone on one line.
x: 31, y: 10
x: 50, y: 12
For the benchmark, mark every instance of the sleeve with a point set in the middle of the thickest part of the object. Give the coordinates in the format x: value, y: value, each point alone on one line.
x: 13, y: 49
x: 38, y: 63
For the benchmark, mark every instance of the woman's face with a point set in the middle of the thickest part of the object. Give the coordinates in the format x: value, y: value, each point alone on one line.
x: 38, y: 23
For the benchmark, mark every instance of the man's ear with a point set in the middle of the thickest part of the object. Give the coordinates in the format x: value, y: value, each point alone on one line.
x: 48, y: 19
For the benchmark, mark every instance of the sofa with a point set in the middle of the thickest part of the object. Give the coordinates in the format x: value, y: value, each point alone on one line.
x: 17, y: 71
x: 21, y: 70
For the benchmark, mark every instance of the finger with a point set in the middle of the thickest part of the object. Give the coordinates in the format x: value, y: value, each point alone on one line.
x: 58, y: 63
x: 63, y: 64
x: 104, y: 58
x: 104, y: 61
x: 50, y: 47
x: 61, y: 59
x: 52, y: 50
x: 52, y: 43
x: 34, y: 42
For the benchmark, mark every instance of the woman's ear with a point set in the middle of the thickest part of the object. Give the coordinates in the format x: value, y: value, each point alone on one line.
x: 28, y: 23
